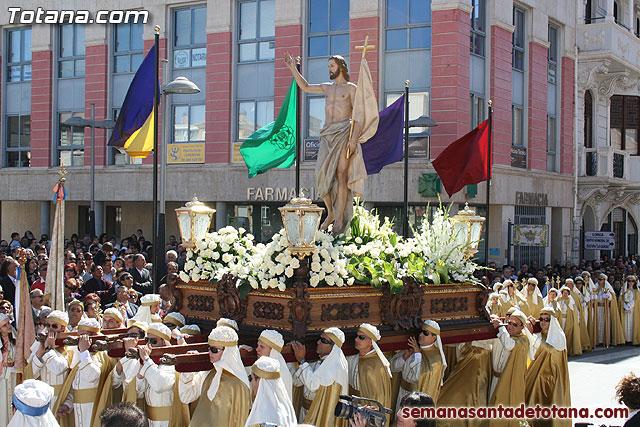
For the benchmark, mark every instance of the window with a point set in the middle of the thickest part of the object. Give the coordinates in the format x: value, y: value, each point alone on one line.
x: 188, y: 123
x: 407, y: 56
x: 529, y: 215
x: 328, y: 29
x: 552, y: 98
x: 252, y: 115
x: 71, y: 60
x: 408, y: 24
x: 257, y: 31
x: 256, y: 53
x: 624, y: 123
x: 19, y: 55
x: 552, y: 143
x: 70, y: 141
x: 518, y: 39
x: 18, y: 141
x: 418, y: 137
x: 517, y: 133
x: 190, y: 37
x: 478, y: 28
x: 477, y: 110
x: 552, y: 54
x: 588, y: 120
x: 128, y: 47
x: 119, y: 156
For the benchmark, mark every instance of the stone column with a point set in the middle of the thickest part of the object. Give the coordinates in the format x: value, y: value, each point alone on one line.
x: 221, y: 215
x: 99, y: 217
x: 609, y: 17
x: 45, y: 217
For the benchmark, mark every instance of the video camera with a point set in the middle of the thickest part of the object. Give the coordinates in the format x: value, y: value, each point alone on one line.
x: 348, y: 406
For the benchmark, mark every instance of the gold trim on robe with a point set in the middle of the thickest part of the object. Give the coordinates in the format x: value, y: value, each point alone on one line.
x: 510, y: 389
x: 467, y: 385
x: 547, y: 383
x: 431, y: 372
x: 323, y: 406
x: 229, y: 407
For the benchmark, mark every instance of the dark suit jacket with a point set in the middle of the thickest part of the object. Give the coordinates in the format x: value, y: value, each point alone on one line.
x: 9, y: 289
x: 106, y: 293
x: 132, y: 309
x: 633, y: 421
x: 141, y: 282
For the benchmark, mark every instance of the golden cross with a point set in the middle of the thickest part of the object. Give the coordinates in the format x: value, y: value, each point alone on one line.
x: 366, y: 47
x: 62, y: 172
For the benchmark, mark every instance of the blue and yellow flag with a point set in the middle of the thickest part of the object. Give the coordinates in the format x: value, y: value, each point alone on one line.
x: 134, y: 127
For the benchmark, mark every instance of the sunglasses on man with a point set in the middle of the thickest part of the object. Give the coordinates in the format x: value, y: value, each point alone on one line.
x: 545, y: 319
x: 515, y: 325
x: 215, y: 350
x: 361, y: 337
x: 152, y: 341
x: 326, y: 341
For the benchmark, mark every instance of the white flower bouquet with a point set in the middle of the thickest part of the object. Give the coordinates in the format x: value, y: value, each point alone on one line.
x: 225, y: 251
x: 272, y: 265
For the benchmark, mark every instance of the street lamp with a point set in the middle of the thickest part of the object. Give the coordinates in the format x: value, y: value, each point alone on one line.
x: 93, y: 124
x: 301, y: 219
x: 179, y: 86
x: 420, y: 122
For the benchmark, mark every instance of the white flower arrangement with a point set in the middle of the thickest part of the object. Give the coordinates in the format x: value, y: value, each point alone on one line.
x: 273, y: 266
x: 225, y: 251
x: 434, y: 256
x: 371, y: 253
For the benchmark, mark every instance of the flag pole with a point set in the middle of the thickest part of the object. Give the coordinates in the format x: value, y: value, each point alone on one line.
x: 298, y: 145
x: 405, y: 221
x: 156, y: 154
x: 486, y: 243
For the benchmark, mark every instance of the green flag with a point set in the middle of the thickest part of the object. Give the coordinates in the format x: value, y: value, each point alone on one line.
x: 273, y: 145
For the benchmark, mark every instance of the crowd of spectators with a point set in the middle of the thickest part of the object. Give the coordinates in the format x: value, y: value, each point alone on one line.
x: 98, y: 272
x: 616, y: 270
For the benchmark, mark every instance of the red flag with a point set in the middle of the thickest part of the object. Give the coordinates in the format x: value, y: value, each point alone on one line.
x: 465, y: 161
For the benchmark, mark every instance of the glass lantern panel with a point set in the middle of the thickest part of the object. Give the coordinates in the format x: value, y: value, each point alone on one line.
x: 185, y: 225
x: 309, y: 226
x: 292, y: 228
x: 476, y: 231
x: 460, y: 231
x: 201, y: 225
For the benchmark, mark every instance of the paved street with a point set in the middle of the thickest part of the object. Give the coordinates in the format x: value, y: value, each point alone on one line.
x: 594, y: 377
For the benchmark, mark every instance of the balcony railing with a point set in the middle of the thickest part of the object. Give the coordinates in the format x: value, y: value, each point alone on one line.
x: 618, y: 165
x: 591, y: 167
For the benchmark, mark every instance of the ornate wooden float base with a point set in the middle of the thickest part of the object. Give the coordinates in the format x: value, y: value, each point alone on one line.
x: 303, y: 312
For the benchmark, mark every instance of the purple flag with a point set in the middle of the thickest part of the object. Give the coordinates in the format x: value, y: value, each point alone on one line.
x: 385, y: 147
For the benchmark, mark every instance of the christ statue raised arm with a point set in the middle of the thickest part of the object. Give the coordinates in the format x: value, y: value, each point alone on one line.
x: 340, y: 170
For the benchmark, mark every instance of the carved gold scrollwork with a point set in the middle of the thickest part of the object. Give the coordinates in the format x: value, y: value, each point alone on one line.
x: 200, y: 303
x: 403, y: 310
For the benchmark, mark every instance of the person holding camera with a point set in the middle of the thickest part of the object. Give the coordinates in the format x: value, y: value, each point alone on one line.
x: 369, y: 372
x: 272, y: 404
x: 323, y: 382
x: 422, y: 364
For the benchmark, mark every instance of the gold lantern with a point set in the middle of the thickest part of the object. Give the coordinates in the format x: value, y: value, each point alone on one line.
x: 467, y: 227
x: 194, y: 219
x: 301, y: 220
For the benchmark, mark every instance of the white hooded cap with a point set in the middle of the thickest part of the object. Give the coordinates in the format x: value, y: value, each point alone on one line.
x: 272, y: 403
x: 223, y: 321
x: 334, y: 367
x: 33, y: 397
x: 175, y: 318
x: 373, y: 333
x: 274, y: 340
x: 227, y: 338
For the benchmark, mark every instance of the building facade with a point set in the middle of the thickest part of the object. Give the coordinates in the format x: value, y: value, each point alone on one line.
x: 456, y: 54
x: 607, y: 109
